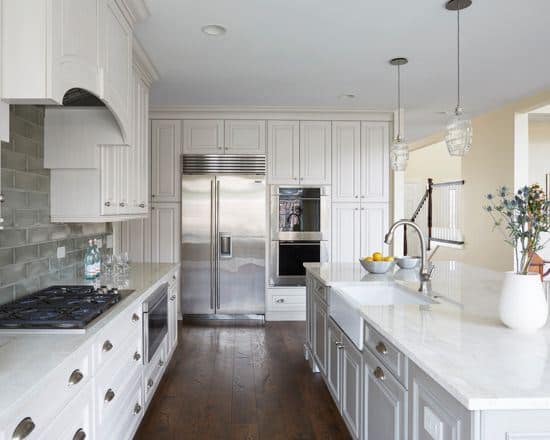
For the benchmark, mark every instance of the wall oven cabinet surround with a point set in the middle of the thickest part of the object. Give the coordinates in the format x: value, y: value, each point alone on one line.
x: 299, y: 152
x: 212, y: 136
x: 287, y: 259
x: 85, y: 44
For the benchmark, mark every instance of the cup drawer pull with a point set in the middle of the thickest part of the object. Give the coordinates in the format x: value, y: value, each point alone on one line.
x: 79, y: 435
x: 109, y: 395
x: 381, y: 348
x: 75, y: 377
x: 137, y: 408
x: 107, y: 345
x: 135, y: 317
x: 280, y: 300
x: 25, y: 427
x: 379, y: 373
x: 137, y: 356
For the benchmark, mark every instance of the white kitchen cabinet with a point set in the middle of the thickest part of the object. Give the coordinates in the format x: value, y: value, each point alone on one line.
x: 117, y: 63
x: 283, y: 152
x: 386, y: 402
x: 165, y: 232
x: 320, y: 321
x: 113, y: 186
x: 334, y: 360
x: 346, y: 161
x: 244, y: 136
x: 136, y: 239
x: 352, y: 384
x: 315, y: 152
x: 203, y: 136
x: 173, y: 298
x: 346, y: 232
x: 375, y: 165
x: 165, y: 160
x: 374, y: 225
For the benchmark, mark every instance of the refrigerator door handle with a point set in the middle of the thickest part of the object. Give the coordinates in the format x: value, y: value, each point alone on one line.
x: 217, y: 245
x: 212, y: 246
x: 226, y: 245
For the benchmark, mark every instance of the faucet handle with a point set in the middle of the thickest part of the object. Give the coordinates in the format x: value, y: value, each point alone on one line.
x: 431, y: 268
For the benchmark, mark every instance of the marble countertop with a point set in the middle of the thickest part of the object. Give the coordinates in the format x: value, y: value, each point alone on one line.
x: 26, y: 359
x: 460, y: 342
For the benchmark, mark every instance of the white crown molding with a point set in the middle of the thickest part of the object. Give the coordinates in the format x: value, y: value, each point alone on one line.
x: 143, y: 63
x: 134, y: 10
x: 268, y: 112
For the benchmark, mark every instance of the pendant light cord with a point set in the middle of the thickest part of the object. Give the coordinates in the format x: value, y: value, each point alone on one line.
x: 458, y: 105
x: 398, y: 102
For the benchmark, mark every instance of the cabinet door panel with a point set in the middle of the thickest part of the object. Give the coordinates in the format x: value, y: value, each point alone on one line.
x: 374, y: 225
x: 165, y: 233
x: 375, y: 165
x: 320, y: 334
x: 109, y: 158
x: 386, y: 401
x: 315, y: 152
x: 144, y: 154
x: 244, y: 137
x: 283, y: 140
x: 334, y: 342
x: 346, y: 166
x: 136, y: 239
x: 346, y: 232
x: 165, y: 161
x: 117, y: 63
x: 203, y: 137
x: 352, y: 384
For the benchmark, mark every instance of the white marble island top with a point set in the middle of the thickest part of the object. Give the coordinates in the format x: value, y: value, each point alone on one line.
x: 27, y: 359
x: 462, y: 346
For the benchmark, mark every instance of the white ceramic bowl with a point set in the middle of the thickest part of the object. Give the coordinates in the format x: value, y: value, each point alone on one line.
x: 407, y: 262
x: 376, y: 266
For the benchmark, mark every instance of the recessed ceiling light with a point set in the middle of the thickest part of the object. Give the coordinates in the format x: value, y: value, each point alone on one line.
x: 347, y: 96
x: 214, y: 30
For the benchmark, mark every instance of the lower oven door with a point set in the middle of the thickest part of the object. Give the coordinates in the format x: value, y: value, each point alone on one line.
x: 288, y: 258
x: 155, y: 322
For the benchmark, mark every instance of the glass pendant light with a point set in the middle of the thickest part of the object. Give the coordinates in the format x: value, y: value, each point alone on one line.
x: 399, y: 152
x: 459, y: 128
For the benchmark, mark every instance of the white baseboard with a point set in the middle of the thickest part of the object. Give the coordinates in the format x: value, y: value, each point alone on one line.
x: 285, y: 316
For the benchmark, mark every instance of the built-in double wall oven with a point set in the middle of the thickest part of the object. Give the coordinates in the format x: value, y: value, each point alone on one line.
x: 300, y: 230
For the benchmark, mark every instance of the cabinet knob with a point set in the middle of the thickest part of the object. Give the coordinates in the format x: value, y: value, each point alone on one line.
x: 142, y: 205
x: 379, y: 373
x: 122, y: 204
x: 173, y: 297
x: 280, y: 300
x: 2, y: 198
x: 107, y: 203
x: 381, y: 348
x: 356, y: 197
x: 137, y: 356
x: 107, y: 346
x: 25, y: 427
x: 150, y: 383
x: 135, y: 317
x: 75, y: 377
x: 137, y: 408
x: 79, y: 435
x: 109, y: 395
x: 339, y: 345
x: 161, y: 362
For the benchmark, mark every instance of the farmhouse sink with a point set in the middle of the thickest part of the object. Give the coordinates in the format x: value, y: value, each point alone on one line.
x: 345, y: 302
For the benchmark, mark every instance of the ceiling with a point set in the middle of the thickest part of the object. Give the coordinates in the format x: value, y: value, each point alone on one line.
x: 309, y: 52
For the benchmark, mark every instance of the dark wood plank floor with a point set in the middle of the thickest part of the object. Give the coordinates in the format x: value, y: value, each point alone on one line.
x: 241, y: 380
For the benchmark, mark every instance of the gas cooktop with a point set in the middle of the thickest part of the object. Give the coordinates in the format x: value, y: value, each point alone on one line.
x: 58, y: 308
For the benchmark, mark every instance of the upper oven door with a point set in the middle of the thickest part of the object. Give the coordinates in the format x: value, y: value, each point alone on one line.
x: 299, y: 213
x: 155, y: 313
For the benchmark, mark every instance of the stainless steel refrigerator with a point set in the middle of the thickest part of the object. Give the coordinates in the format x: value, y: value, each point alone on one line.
x: 223, y: 244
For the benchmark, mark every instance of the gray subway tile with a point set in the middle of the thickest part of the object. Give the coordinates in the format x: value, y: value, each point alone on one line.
x: 11, y: 274
x: 38, y: 267
x: 25, y: 143
x: 25, y: 253
x: 8, y: 177
x: 36, y: 165
x: 7, y: 215
x: 26, y: 287
x: 25, y: 181
x: 47, y: 249
x: 38, y: 235
x: 59, y: 232
x: 15, y: 199
x: 39, y: 200
x: 12, y: 237
x: 6, y: 295
x: 43, y: 217
x: 13, y: 160
x: 24, y: 218
x: 6, y: 257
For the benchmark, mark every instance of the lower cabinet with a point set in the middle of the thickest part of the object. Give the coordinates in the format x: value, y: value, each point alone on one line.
x: 173, y: 313
x: 165, y: 232
x: 385, y: 412
x: 320, y: 322
x: 334, y: 346
x: 352, y: 380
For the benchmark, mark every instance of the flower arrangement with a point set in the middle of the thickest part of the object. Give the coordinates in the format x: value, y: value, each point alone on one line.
x: 521, y: 217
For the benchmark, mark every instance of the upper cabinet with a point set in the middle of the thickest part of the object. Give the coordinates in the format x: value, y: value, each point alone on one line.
x: 50, y: 47
x: 375, y: 161
x: 346, y: 161
x: 299, y: 152
x: 213, y: 136
x: 165, y: 160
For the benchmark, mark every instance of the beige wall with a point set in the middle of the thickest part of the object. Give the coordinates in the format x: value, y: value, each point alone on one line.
x: 433, y: 161
x: 487, y: 166
x: 539, y: 150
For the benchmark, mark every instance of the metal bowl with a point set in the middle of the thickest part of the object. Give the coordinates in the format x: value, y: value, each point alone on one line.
x: 407, y: 262
x: 378, y: 267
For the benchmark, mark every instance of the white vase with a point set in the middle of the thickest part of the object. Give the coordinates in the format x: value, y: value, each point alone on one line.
x: 523, y: 303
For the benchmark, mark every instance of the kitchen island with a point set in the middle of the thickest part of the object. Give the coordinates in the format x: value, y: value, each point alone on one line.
x: 445, y: 366
x: 59, y: 384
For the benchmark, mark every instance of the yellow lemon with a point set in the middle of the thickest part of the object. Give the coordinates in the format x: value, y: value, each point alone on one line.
x: 388, y: 259
x: 369, y: 259
x: 377, y: 256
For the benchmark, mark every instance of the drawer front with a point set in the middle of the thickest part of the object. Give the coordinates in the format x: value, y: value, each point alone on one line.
x: 387, y: 353
x: 319, y: 289
x: 129, y: 413
x: 110, y: 340
x: 112, y: 381
x: 75, y: 419
x: 154, y: 371
x: 283, y: 300
x: 51, y: 395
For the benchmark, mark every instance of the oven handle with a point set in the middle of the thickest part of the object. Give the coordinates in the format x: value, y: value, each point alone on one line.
x: 282, y: 243
x: 145, y: 338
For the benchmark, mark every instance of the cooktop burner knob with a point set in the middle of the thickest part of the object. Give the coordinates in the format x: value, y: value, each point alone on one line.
x: 114, y: 290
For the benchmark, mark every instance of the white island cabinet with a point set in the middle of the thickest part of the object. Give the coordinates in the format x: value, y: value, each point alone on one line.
x: 95, y: 385
x: 426, y: 372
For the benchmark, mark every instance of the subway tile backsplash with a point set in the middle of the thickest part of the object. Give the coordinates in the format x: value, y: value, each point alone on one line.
x: 29, y: 241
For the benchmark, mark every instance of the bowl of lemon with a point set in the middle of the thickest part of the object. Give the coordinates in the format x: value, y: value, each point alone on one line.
x: 377, y: 263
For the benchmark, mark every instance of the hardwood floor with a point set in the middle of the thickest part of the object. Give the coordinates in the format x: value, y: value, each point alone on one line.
x: 241, y: 380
